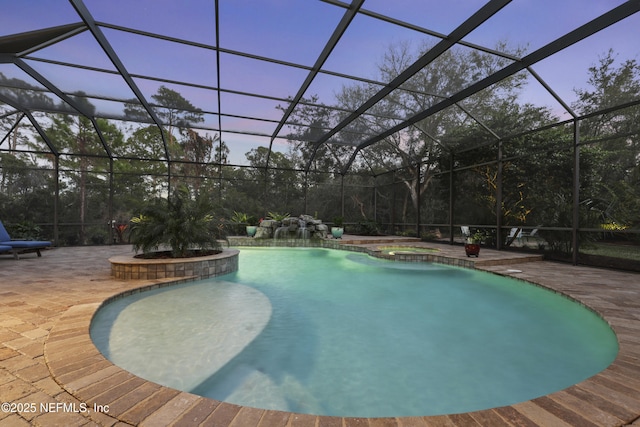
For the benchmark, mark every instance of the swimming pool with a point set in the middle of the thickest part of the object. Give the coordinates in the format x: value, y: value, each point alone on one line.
x: 337, y: 333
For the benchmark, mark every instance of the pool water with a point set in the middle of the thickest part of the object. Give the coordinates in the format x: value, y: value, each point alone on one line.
x: 338, y: 333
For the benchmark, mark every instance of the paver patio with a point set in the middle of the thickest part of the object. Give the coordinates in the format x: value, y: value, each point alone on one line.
x: 51, y: 374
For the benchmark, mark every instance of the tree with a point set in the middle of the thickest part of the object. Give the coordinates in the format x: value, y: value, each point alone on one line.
x: 275, y: 189
x: 197, y: 150
x: 140, y: 172
x: 416, y: 149
x: 173, y: 110
x: 424, y: 143
x: 613, y: 139
x: 307, y: 124
x: 84, y: 164
x: 221, y: 152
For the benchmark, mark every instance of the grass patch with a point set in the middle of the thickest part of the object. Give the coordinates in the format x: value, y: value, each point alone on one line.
x: 630, y: 252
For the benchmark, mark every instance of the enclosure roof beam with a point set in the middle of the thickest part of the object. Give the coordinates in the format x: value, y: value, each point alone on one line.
x: 477, y: 19
x: 23, y: 43
x: 217, y: 88
x: 282, y: 62
x: 9, y: 113
x: 552, y: 92
x: 423, y: 30
x: 51, y: 87
x: 75, y: 105
x: 603, y: 21
x: 33, y: 121
x: 97, y: 33
x: 610, y: 109
x: 478, y: 121
x: 42, y: 133
x: 337, y: 34
x: 13, y: 127
x: 248, y: 55
x: 433, y: 138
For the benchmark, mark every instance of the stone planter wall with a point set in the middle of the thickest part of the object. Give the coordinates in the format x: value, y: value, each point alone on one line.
x: 130, y: 268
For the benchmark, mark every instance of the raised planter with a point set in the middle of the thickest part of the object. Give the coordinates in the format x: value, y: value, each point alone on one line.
x: 130, y: 268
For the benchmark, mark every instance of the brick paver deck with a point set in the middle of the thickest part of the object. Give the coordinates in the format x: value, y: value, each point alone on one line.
x: 52, y: 375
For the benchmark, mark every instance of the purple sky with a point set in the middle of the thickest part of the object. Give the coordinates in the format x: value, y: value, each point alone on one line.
x: 296, y: 31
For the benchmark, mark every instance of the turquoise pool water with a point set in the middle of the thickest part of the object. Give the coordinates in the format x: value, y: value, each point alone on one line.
x: 338, y: 333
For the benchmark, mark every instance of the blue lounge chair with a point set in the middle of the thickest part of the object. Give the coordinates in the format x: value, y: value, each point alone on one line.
x: 19, y: 246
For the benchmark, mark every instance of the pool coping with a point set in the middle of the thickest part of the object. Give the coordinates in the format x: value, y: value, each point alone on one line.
x: 77, y: 366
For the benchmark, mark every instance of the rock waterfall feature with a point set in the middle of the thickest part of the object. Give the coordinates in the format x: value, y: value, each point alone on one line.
x: 301, y: 227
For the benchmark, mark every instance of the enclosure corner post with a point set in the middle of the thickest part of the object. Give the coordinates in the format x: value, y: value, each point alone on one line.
x: 498, y: 206
x: 56, y: 202
x: 576, y: 192
x: 451, y: 198
x: 342, y: 195
x: 418, y: 198
x: 110, y: 202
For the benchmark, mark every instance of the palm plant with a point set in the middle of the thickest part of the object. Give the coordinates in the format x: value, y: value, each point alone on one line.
x: 182, y: 223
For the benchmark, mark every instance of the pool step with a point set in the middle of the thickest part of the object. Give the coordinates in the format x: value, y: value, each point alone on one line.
x: 248, y: 386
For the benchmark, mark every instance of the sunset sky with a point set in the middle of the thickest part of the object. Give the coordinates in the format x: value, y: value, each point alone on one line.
x: 294, y: 31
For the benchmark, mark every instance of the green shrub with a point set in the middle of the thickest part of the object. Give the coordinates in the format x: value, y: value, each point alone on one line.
x: 182, y: 223
x: 24, y: 230
x: 368, y: 228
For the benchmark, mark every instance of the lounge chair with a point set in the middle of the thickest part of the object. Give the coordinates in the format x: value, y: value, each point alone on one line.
x: 514, y: 234
x: 533, y: 233
x: 19, y: 246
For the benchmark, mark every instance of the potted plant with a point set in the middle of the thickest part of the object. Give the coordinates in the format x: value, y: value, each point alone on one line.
x: 183, y: 224
x: 337, y: 230
x: 246, y: 221
x: 472, y: 245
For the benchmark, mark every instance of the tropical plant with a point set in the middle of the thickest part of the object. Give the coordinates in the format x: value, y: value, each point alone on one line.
x: 242, y: 218
x: 477, y: 237
x: 277, y: 216
x: 180, y: 222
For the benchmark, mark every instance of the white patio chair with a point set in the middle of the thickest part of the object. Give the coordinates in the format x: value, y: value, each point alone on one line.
x: 532, y: 233
x: 466, y: 232
x: 515, y: 233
